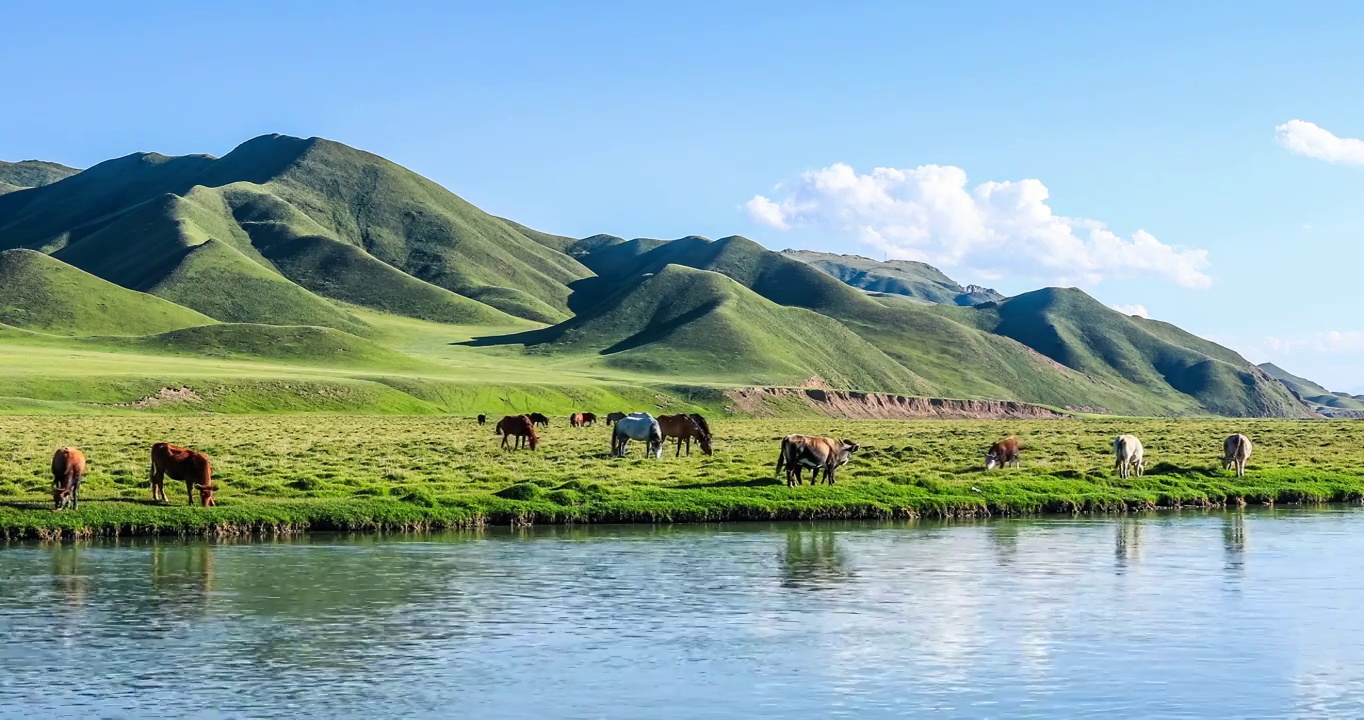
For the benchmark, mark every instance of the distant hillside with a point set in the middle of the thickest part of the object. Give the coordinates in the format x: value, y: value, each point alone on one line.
x: 33, y: 173
x: 896, y: 277
x: 43, y: 294
x: 1326, y: 402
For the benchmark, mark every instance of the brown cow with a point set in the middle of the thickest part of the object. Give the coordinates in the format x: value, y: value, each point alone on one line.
x: 684, y: 427
x: 1002, y: 453
x: 819, y: 453
x: 68, y: 469
x: 612, y: 418
x: 190, y: 466
x: 519, y: 426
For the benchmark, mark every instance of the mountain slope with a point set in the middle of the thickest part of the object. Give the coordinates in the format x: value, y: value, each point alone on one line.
x: 41, y: 293
x: 691, y: 323
x: 897, y: 277
x: 33, y: 173
x: 1326, y: 402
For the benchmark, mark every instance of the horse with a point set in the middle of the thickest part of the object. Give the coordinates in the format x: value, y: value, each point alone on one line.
x: 191, y: 466
x: 613, y: 418
x: 684, y: 427
x: 482, y: 419
x: 582, y: 419
x: 1127, y: 454
x: 637, y: 426
x: 1002, y: 453
x: 1235, y: 452
x: 68, y: 469
x: 539, y: 419
x: 819, y: 453
x: 520, y: 426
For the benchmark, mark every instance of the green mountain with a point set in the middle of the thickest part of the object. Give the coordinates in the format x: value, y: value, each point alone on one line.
x: 1325, y: 402
x: 297, y: 252
x: 910, y: 279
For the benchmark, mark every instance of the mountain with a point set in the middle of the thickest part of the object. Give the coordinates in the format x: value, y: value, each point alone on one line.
x: 1325, y: 402
x: 916, y: 280
x: 292, y: 251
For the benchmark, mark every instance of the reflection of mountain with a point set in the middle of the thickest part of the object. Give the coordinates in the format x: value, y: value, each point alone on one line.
x: 813, y: 561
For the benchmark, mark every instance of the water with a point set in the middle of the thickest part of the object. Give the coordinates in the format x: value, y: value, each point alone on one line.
x: 1194, y: 615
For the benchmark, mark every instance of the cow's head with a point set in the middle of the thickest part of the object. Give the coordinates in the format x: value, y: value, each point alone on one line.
x: 62, y: 497
x: 206, y: 495
x: 846, y: 449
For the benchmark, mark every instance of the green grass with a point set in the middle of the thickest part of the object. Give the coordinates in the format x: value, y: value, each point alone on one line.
x: 290, y: 474
x: 40, y: 293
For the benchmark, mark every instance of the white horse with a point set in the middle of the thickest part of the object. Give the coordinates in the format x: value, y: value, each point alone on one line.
x: 637, y: 426
x: 1235, y: 453
x: 1127, y: 454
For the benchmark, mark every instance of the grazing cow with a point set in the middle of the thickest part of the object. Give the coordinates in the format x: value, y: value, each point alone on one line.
x: 637, y: 426
x: 519, y: 426
x: 482, y: 419
x: 1002, y: 453
x: 190, y: 466
x: 613, y: 418
x: 68, y: 469
x: 818, y: 453
x: 581, y: 419
x: 684, y: 427
x: 539, y: 419
x: 1235, y: 453
x: 1128, y: 454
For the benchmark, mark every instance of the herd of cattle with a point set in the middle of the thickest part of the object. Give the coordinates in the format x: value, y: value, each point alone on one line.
x: 798, y: 453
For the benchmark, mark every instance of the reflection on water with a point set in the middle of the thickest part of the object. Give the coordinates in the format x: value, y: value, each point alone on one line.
x: 1150, y: 616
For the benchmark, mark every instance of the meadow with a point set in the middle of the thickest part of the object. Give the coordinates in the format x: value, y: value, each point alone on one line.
x: 293, y: 473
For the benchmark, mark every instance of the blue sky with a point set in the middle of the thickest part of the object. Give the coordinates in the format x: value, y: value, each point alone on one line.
x: 1150, y: 127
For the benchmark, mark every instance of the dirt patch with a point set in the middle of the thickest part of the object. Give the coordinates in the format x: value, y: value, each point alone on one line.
x: 165, y: 396
x: 767, y: 401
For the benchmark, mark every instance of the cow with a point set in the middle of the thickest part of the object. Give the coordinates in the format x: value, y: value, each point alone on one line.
x: 1002, y: 453
x: 613, y: 418
x: 818, y: 453
x: 190, y: 466
x: 539, y: 419
x: 1235, y: 452
x: 582, y: 419
x: 68, y: 469
x: 482, y: 419
x: 519, y: 426
x: 1128, y: 454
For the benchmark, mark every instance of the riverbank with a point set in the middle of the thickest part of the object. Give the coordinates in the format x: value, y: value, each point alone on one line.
x: 282, y: 475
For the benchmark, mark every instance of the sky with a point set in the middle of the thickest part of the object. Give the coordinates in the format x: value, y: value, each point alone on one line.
x: 1199, y: 163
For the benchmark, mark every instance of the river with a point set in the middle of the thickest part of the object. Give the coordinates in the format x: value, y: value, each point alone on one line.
x: 1194, y: 615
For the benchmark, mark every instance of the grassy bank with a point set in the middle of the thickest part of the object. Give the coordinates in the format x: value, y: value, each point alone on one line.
x: 345, y: 472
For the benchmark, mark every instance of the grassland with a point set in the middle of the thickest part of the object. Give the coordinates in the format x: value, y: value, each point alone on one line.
x: 298, y: 473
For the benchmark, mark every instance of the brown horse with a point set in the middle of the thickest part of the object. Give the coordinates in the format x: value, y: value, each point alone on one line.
x: 613, y: 418
x: 190, y: 466
x: 684, y: 427
x: 582, y: 419
x: 539, y: 419
x: 520, y: 426
x: 68, y: 469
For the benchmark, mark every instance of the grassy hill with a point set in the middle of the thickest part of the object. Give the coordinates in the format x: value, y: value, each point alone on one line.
x: 1322, y: 400
x: 298, y: 344
x: 33, y: 173
x: 41, y: 293
x: 917, y: 280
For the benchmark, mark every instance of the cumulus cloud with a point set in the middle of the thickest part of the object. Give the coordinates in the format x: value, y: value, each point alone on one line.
x: 1309, y: 139
x: 994, y: 229
x: 1136, y: 309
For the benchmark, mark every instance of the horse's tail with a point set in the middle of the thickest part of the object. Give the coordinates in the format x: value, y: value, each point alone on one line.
x: 781, y: 458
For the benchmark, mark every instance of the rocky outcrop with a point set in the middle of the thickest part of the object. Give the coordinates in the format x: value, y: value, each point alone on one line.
x: 762, y: 401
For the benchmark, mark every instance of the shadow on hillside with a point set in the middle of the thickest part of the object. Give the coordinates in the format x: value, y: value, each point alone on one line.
x: 756, y: 482
x: 662, y: 330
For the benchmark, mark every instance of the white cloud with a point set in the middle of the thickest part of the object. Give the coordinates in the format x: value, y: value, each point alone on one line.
x: 1309, y: 139
x: 1136, y: 309
x: 995, y: 228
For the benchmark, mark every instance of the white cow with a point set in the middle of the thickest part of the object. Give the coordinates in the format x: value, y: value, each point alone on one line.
x: 1235, y: 453
x: 1128, y: 453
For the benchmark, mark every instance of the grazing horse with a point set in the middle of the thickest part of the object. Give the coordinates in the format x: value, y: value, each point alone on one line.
x: 637, y: 426
x: 582, y: 419
x: 190, y: 466
x: 613, y: 418
x: 1235, y: 453
x: 684, y: 427
x: 68, y: 469
x: 519, y: 426
x: 482, y: 419
x: 539, y: 419
x: 818, y: 453
x: 1002, y: 453
x: 1128, y: 454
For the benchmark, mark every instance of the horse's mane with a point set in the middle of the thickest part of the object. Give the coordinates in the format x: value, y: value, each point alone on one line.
x: 701, y: 423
